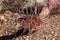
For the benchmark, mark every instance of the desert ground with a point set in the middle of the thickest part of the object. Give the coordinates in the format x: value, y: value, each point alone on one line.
x: 49, y: 30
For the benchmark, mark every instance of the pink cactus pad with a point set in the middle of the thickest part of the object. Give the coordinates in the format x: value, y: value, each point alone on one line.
x: 53, y: 3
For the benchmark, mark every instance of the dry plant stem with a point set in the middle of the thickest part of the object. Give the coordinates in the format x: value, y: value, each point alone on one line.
x: 36, y: 4
x: 45, y: 11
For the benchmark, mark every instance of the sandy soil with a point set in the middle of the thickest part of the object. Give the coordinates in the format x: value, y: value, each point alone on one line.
x: 49, y: 30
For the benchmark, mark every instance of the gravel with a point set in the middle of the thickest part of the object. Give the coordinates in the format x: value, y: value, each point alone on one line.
x: 49, y: 30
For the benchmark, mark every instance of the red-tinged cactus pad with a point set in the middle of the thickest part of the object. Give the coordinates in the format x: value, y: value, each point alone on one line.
x: 31, y: 21
x: 54, y: 3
